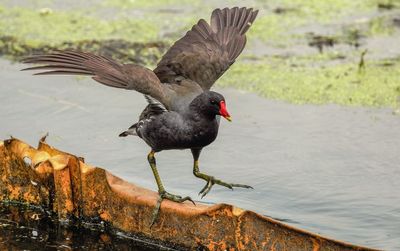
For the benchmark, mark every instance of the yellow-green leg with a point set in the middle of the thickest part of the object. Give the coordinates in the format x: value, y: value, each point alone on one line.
x: 161, y: 191
x: 211, y: 181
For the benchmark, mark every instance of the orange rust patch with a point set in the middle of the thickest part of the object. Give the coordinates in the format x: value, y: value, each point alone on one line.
x: 239, y: 238
x: 14, y: 192
x: 105, y: 238
x: 59, y: 161
x: 237, y: 211
x: 40, y: 156
x: 44, y: 168
x: 85, y: 167
x: 105, y: 216
x: 316, y: 245
x: 69, y: 205
x: 28, y: 196
x: 21, y: 149
x: 217, y: 245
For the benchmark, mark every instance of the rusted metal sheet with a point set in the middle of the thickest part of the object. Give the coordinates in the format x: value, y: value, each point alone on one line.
x: 75, y: 190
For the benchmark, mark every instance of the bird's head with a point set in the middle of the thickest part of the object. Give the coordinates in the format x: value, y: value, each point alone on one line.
x: 211, y: 104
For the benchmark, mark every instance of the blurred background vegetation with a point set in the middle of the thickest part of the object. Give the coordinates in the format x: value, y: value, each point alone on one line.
x: 301, y: 51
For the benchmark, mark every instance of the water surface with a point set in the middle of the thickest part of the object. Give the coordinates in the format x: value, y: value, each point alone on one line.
x: 330, y: 169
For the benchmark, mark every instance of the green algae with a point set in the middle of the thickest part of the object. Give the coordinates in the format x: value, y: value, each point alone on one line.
x: 125, y: 4
x: 53, y: 27
x: 294, y: 81
x: 25, y: 31
x: 380, y: 26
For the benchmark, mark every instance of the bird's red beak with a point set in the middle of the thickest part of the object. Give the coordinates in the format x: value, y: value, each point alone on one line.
x: 223, y: 112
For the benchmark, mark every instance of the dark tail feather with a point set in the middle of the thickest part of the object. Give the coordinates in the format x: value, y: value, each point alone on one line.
x: 130, y: 131
x: 123, y: 134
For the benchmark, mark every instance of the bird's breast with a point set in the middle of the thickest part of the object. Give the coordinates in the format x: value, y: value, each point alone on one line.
x: 204, y: 133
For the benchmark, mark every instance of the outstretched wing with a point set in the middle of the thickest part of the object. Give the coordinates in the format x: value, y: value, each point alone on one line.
x: 206, y: 52
x: 102, y: 69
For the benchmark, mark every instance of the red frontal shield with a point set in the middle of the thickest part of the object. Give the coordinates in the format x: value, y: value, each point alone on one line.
x: 223, y: 112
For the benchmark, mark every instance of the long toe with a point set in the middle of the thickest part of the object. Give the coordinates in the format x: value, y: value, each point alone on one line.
x: 222, y: 183
x: 175, y: 198
x: 211, y: 181
x: 207, y: 187
x: 203, y: 192
x: 241, y: 185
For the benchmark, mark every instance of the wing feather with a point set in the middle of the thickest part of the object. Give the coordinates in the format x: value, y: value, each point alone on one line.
x: 207, y: 51
x: 102, y: 69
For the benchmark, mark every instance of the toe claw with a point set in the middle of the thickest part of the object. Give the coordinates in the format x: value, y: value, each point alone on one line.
x: 189, y: 199
x: 202, y: 190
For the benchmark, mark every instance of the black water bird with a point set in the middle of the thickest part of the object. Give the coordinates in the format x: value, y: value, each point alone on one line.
x: 182, y: 113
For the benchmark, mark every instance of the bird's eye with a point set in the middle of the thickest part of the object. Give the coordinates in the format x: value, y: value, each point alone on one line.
x: 213, y: 102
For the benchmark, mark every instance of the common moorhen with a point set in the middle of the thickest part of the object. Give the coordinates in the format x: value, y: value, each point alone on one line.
x: 181, y: 111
